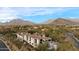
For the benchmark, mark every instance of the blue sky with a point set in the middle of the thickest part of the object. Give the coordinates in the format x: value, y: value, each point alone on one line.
x: 37, y: 14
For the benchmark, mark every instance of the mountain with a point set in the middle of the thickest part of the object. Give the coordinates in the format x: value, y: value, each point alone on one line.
x: 48, y: 21
x: 75, y: 20
x: 18, y: 22
x: 58, y: 21
x: 61, y: 21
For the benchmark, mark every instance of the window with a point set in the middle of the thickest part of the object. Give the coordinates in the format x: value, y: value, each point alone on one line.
x: 30, y: 39
x: 32, y: 43
x: 29, y: 42
x: 35, y: 40
x: 49, y: 40
x: 41, y: 40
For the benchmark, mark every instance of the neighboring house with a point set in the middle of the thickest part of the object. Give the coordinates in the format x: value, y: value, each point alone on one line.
x: 36, y: 39
x: 53, y: 45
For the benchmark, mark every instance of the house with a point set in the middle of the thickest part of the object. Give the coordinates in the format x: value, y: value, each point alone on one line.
x: 35, y: 39
x: 53, y: 45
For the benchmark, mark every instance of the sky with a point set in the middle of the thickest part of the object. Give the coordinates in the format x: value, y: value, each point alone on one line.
x: 37, y: 14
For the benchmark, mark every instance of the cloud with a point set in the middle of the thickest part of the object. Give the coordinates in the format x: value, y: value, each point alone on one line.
x: 39, y: 11
x: 9, y: 13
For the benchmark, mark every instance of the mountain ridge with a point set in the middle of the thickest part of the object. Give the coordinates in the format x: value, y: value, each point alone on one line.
x: 18, y: 22
x: 61, y: 21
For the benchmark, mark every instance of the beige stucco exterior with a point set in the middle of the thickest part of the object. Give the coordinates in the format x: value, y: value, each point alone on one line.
x: 31, y: 40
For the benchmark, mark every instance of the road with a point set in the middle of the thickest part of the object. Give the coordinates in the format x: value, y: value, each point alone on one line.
x: 3, y: 47
x: 76, y: 40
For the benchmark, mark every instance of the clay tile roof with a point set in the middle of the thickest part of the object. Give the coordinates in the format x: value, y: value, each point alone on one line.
x: 35, y: 36
x: 39, y: 37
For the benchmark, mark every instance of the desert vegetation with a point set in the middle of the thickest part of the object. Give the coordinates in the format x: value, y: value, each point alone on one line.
x: 57, y: 33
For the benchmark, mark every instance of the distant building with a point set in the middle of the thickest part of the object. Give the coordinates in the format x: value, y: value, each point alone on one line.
x: 36, y: 39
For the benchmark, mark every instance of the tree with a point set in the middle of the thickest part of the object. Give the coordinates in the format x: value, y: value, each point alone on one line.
x: 42, y: 47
